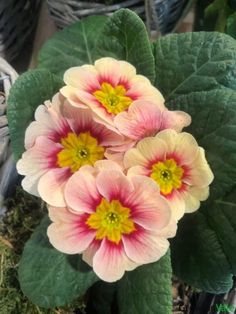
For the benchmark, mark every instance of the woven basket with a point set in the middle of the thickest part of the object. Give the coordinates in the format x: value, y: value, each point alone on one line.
x: 17, y: 21
x: 8, y: 174
x: 161, y: 14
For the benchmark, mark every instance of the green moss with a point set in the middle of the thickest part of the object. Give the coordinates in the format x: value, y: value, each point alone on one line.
x: 23, y: 215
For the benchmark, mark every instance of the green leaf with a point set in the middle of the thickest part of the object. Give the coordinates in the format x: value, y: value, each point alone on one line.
x: 203, y: 252
x: 231, y: 25
x: 29, y: 91
x: 200, y: 79
x: 50, y: 278
x: 73, y: 46
x: 147, y: 289
x: 125, y: 37
x: 193, y: 62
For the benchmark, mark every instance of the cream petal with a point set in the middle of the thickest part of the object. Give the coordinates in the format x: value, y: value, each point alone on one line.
x: 153, y: 149
x: 193, y: 197
x: 182, y: 145
x: 133, y: 157
x: 138, y: 170
x: 177, y: 204
x: 199, y: 173
x: 169, y: 137
x: 84, y: 77
x: 127, y: 71
x: 109, y: 70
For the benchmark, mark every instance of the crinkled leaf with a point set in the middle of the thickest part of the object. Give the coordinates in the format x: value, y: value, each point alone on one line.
x: 192, y: 62
x: 50, y: 278
x: 147, y: 289
x: 29, y: 91
x: 125, y: 37
x: 73, y: 46
x: 200, y: 79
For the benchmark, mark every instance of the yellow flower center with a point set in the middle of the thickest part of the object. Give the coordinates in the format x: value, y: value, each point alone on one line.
x: 167, y: 175
x: 113, y: 98
x: 79, y: 150
x: 111, y: 220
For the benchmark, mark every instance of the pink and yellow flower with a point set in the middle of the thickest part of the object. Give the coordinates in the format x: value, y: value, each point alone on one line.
x: 178, y: 166
x: 116, y: 222
x: 108, y: 87
x: 60, y: 141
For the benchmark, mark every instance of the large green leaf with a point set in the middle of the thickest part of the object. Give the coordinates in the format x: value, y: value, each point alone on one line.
x: 29, y: 91
x: 192, y: 62
x: 147, y: 289
x: 196, y: 73
x: 125, y: 37
x: 73, y: 46
x: 50, y: 278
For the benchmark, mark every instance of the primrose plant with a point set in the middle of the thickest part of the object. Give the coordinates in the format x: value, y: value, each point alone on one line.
x: 132, y: 146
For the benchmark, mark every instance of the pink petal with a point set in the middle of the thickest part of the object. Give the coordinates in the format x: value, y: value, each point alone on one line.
x: 144, y: 246
x: 176, y: 120
x: 70, y: 236
x: 142, y: 119
x: 51, y: 186
x: 110, y: 261
x: 81, y: 193
x: 106, y: 136
x: 149, y: 209
x: 113, y: 184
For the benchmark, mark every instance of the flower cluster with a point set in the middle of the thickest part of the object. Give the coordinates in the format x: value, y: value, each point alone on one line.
x: 114, y: 167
